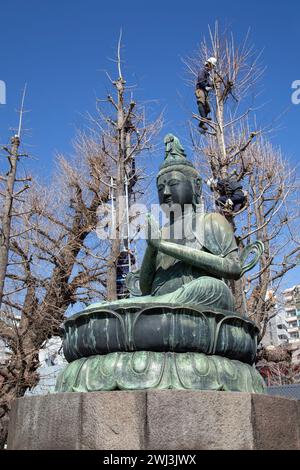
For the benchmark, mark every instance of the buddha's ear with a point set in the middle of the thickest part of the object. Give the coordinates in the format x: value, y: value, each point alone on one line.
x: 198, y: 189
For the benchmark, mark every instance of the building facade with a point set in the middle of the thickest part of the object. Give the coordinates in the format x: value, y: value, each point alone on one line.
x: 277, y: 330
x: 291, y: 298
x: 277, y: 327
x: 284, y: 324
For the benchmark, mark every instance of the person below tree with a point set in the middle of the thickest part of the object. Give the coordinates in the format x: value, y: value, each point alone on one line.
x: 203, y: 86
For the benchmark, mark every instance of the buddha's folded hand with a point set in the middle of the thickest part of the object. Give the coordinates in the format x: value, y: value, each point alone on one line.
x: 154, y: 233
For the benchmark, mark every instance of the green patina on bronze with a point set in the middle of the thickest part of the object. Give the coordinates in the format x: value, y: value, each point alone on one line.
x: 145, y: 370
x: 159, y: 327
x: 182, y: 319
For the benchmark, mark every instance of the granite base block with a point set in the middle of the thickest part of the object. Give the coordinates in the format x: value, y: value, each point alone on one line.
x: 156, y: 420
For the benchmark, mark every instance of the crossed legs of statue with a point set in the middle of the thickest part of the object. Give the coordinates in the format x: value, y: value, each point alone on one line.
x: 204, y: 290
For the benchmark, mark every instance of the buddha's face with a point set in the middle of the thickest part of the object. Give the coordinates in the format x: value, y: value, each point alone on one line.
x: 175, y: 188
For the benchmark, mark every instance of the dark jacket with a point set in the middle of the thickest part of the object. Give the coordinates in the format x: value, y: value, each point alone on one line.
x: 229, y: 186
x: 204, y: 79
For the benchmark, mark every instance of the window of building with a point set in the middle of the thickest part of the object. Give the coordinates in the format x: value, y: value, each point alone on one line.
x: 291, y: 313
x: 283, y: 337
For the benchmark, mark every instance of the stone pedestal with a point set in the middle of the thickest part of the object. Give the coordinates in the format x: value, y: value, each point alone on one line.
x: 156, y: 419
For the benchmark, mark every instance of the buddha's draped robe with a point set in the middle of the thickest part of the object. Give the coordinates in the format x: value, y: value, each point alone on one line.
x: 177, y: 282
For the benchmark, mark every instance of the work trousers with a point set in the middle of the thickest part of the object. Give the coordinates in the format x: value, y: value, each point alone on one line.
x: 202, y: 102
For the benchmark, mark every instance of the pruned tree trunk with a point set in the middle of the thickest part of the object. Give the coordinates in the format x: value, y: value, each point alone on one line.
x: 6, y: 218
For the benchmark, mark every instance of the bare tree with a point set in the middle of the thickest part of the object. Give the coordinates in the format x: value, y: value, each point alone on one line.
x: 124, y: 137
x: 57, y: 261
x: 48, y: 273
x: 234, y: 145
x: 12, y: 187
x: 237, y: 73
x: 231, y: 128
x: 271, y: 216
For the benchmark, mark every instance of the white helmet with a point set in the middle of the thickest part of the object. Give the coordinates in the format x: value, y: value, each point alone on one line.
x: 212, y: 61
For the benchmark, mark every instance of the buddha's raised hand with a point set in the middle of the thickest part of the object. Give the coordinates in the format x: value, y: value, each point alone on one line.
x: 154, y: 233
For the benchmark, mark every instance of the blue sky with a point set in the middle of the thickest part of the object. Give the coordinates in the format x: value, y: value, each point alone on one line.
x: 60, y: 47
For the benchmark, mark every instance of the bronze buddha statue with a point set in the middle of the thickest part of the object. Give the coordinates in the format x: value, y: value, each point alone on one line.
x: 180, y: 329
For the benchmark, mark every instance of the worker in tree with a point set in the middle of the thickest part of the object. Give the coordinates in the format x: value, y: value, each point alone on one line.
x: 203, y: 86
x: 231, y: 195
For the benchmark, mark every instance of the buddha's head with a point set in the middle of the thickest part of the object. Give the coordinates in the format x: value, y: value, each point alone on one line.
x: 178, y: 182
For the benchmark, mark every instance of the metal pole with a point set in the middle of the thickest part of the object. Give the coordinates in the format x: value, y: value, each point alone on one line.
x: 112, y: 204
x: 127, y: 221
